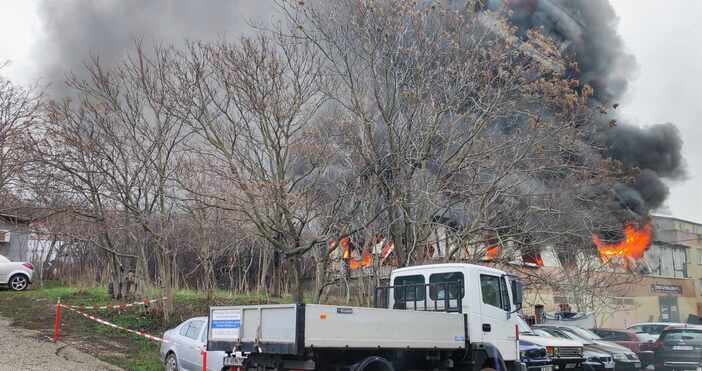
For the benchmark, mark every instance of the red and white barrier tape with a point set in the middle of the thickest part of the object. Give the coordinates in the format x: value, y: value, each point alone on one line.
x: 106, y: 323
x: 203, y: 351
x: 112, y: 306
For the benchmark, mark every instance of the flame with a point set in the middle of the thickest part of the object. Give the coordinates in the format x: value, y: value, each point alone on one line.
x: 365, y: 261
x: 635, y: 242
x: 533, y: 259
x: 345, y: 247
x: 491, y: 253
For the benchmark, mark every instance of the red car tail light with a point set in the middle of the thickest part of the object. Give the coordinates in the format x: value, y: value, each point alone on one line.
x: 28, y: 266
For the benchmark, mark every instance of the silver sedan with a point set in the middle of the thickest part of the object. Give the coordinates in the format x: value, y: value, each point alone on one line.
x: 183, y: 346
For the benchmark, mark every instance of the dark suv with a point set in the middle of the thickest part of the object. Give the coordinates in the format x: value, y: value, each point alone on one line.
x: 679, y: 348
x: 534, y: 356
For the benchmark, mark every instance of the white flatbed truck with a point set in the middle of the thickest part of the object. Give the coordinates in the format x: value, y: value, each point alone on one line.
x: 431, y: 317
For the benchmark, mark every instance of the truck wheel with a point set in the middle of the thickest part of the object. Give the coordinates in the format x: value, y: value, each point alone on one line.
x: 373, y: 364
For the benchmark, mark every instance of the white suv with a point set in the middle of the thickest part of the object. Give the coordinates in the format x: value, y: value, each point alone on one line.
x: 15, y: 275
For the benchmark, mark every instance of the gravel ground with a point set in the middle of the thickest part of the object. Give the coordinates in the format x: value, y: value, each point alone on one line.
x: 22, y: 349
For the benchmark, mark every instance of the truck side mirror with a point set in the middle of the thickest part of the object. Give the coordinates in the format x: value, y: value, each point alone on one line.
x: 517, y: 293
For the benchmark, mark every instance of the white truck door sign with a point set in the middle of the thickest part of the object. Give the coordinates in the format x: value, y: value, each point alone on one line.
x: 225, y: 324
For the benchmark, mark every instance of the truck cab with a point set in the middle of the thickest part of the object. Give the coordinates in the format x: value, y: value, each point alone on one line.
x: 489, y: 297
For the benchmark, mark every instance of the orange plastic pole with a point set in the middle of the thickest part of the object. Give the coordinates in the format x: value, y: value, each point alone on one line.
x: 204, y: 360
x: 57, y: 320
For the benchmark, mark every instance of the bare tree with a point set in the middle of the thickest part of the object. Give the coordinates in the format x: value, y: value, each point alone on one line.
x: 254, y: 104
x: 19, y: 111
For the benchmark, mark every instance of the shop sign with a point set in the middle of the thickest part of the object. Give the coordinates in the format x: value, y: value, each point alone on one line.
x: 667, y: 289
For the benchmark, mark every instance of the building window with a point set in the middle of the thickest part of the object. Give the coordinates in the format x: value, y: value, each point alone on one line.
x: 699, y: 256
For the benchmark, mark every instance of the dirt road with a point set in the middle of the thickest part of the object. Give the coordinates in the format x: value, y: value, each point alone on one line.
x: 22, y: 349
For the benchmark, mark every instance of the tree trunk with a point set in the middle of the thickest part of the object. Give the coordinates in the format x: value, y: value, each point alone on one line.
x: 299, y: 276
x: 276, y: 278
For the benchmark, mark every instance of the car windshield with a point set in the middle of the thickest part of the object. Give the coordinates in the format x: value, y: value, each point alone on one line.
x: 654, y: 329
x: 689, y: 336
x: 541, y: 332
x: 523, y: 326
x: 585, y: 334
x: 564, y: 333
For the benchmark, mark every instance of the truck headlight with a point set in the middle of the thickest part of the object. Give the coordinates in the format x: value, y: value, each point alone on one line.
x: 619, y: 356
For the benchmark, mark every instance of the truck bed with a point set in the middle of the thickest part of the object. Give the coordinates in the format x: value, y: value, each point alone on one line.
x: 290, y: 329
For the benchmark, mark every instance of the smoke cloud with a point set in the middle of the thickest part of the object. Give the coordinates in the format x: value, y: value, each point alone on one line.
x: 76, y: 29
x: 657, y: 148
x: 587, y: 31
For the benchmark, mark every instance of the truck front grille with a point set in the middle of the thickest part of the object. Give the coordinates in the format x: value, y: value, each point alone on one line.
x: 570, y: 352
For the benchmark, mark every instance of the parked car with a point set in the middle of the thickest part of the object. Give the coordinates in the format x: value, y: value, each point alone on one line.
x: 564, y: 353
x: 182, y: 349
x: 593, y: 360
x: 679, y: 348
x: 649, y: 331
x: 630, y: 339
x: 15, y: 275
x: 624, y: 359
x: 534, y: 356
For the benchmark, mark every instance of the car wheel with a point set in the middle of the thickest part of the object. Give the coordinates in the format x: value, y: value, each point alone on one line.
x: 18, y: 282
x: 171, y: 362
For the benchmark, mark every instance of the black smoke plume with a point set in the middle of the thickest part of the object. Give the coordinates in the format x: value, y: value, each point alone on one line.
x: 584, y: 29
x: 587, y: 31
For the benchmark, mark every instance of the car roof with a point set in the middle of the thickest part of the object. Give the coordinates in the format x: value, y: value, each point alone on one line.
x: 559, y: 325
x: 613, y: 329
x: 194, y: 318
x: 683, y: 326
x: 656, y: 323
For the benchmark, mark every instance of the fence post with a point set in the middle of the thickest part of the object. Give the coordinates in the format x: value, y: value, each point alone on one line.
x: 204, y: 359
x: 57, y: 320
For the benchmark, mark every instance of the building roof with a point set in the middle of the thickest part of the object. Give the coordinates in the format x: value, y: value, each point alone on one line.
x: 661, y: 216
x: 15, y: 218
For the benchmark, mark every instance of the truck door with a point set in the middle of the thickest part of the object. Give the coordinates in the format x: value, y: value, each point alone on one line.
x: 494, y: 308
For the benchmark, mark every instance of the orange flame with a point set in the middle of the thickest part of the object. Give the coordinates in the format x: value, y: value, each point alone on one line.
x: 365, y: 261
x: 491, y: 253
x: 345, y: 247
x: 533, y: 259
x: 635, y: 242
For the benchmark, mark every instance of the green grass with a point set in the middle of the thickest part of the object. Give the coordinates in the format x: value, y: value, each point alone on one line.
x: 35, y: 309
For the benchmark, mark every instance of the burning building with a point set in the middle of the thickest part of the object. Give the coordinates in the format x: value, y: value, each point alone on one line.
x: 666, y: 254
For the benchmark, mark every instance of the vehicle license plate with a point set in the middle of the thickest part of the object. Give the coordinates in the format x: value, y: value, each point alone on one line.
x: 682, y: 347
x: 637, y: 364
x: 547, y: 368
x: 233, y: 361
x: 571, y: 365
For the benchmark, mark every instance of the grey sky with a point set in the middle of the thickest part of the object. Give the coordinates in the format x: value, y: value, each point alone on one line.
x: 663, y: 36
